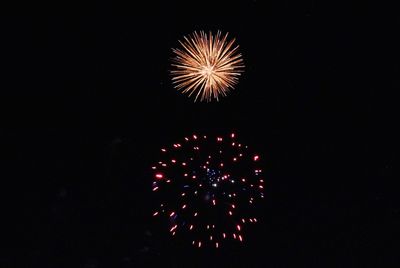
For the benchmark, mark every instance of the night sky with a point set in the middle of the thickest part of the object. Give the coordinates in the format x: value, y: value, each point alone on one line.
x: 87, y: 102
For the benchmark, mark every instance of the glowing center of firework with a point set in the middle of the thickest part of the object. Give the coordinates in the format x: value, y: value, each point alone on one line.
x: 213, y: 177
x: 208, y: 71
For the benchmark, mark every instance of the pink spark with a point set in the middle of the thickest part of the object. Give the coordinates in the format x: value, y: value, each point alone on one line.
x: 172, y: 214
x: 234, y: 236
x: 238, y: 227
x: 184, y: 206
x: 213, y: 202
x: 256, y: 157
x: 195, y: 214
x: 224, y: 235
x: 173, y: 161
x: 199, y: 243
x: 163, y: 150
x: 216, y: 244
x: 232, y: 135
x: 173, y: 228
x: 230, y: 213
x: 195, y: 137
x: 240, y: 238
x: 183, y: 164
x: 155, y: 213
x: 155, y: 188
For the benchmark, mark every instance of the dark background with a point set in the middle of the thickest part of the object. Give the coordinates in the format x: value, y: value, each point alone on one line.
x: 87, y: 102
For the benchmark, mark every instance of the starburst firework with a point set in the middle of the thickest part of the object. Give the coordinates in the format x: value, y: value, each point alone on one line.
x: 206, y: 65
x: 208, y: 189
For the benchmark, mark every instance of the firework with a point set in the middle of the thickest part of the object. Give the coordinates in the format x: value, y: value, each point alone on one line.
x: 208, y: 188
x: 206, y: 65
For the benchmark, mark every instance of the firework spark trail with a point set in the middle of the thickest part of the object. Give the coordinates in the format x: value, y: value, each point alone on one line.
x: 206, y: 65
